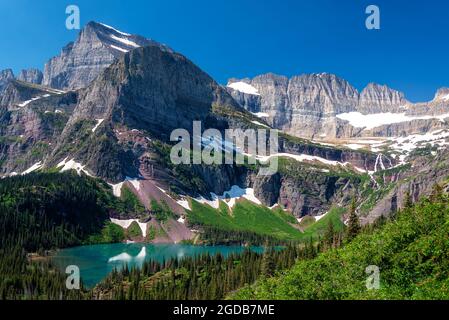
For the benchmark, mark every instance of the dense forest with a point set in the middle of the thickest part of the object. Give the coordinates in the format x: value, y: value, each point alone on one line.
x: 203, y: 277
x: 40, y: 212
x: 45, y: 211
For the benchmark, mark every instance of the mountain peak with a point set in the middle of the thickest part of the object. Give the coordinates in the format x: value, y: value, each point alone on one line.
x: 5, y: 77
x: 97, y: 47
x: 376, y: 98
x: 31, y: 75
x: 442, y: 95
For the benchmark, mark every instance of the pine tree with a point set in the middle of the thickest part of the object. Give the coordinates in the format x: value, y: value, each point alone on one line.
x: 353, y: 223
x: 268, y: 264
x: 329, y: 235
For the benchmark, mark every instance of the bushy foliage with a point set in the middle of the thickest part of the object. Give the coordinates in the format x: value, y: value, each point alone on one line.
x: 411, y: 252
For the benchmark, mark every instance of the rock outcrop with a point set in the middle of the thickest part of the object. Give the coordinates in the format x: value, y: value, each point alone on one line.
x: 34, y: 76
x: 380, y: 99
x: 5, y: 77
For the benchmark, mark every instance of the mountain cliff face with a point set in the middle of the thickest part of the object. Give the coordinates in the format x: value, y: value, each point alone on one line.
x: 31, y: 75
x: 149, y: 89
x: 125, y: 94
x: 5, y: 77
x: 309, y: 105
x: 96, y: 48
x: 379, y: 99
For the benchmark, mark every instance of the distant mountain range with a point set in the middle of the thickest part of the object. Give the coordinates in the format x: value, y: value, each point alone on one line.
x: 319, y: 106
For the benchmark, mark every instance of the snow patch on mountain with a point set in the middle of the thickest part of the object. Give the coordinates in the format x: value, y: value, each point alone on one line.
x: 125, y: 41
x: 184, y: 203
x: 230, y: 197
x: 117, y: 188
x: 114, y: 29
x: 119, y: 49
x: 72, y: 165
x: 25, y: 103
x: 405, y: 145
x: 261, y: 114
x: 99, y: 122
x: 125, y: 224
x: 371, y: 121
x: 260, y: 124
x: 309, y: 158
x: 244, y: 88
x: 33, y: 168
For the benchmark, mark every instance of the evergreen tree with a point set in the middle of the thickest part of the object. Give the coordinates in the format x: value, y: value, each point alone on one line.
x: 329, y: 236
x: 268, y: 264
x: 353, y: 223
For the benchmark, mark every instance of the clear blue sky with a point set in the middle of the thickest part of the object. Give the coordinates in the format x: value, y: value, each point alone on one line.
x: 244, y: 38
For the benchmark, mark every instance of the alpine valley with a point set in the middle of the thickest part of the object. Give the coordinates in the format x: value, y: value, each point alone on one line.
x: 85, y: 161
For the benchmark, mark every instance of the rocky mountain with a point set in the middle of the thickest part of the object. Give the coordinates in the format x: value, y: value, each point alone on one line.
x: 321, y: 106
x: 377, y: 98
x: 109, y: 102
x: 97, y: 46
x: 31, y: 75
x: 5, y: 77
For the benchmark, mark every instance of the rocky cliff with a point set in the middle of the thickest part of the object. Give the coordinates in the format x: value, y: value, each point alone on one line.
x: 309, y: 106
x: 5, y: 77
x: 126, y: 94
x: 97, y: 46
x: 34, y: 76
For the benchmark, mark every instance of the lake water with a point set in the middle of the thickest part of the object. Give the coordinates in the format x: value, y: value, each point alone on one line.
x: 97, y: 261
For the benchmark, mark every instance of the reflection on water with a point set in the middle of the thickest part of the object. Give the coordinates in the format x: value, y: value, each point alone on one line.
x: 95, y: 262
x: 127, y: 258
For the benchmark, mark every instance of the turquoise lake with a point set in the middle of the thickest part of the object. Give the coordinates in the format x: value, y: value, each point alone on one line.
x: 97, y: 261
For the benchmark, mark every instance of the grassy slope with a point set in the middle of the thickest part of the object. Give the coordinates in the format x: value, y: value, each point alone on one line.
x: 319, y: 227
x: 247, y: 216
x: 412, y: 253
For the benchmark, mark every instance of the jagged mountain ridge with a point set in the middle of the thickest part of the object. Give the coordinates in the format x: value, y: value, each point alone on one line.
x: 107, y: 127
x: 308, y: 105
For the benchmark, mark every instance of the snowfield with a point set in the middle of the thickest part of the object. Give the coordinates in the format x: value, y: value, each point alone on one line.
x: 117, y: 188
x: 308, y: 158
x: 33, y: 168
x: 119, y: 49
x: 260, y: 124
x: 371, y: 121
x: 126, y: 223
x: 230, y: 197
x: 23, y: 104
x: 261, y: 114
x: 99, y: 122
x: 72, y: 165
x: 244, y: 88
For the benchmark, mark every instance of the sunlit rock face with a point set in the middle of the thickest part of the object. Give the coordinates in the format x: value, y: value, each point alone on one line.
x: 34, y: 76
x: 97, y: 46
x: 309, y: 106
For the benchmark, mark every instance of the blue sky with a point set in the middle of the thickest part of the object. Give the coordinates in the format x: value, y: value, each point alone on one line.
x: 244, y: 38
